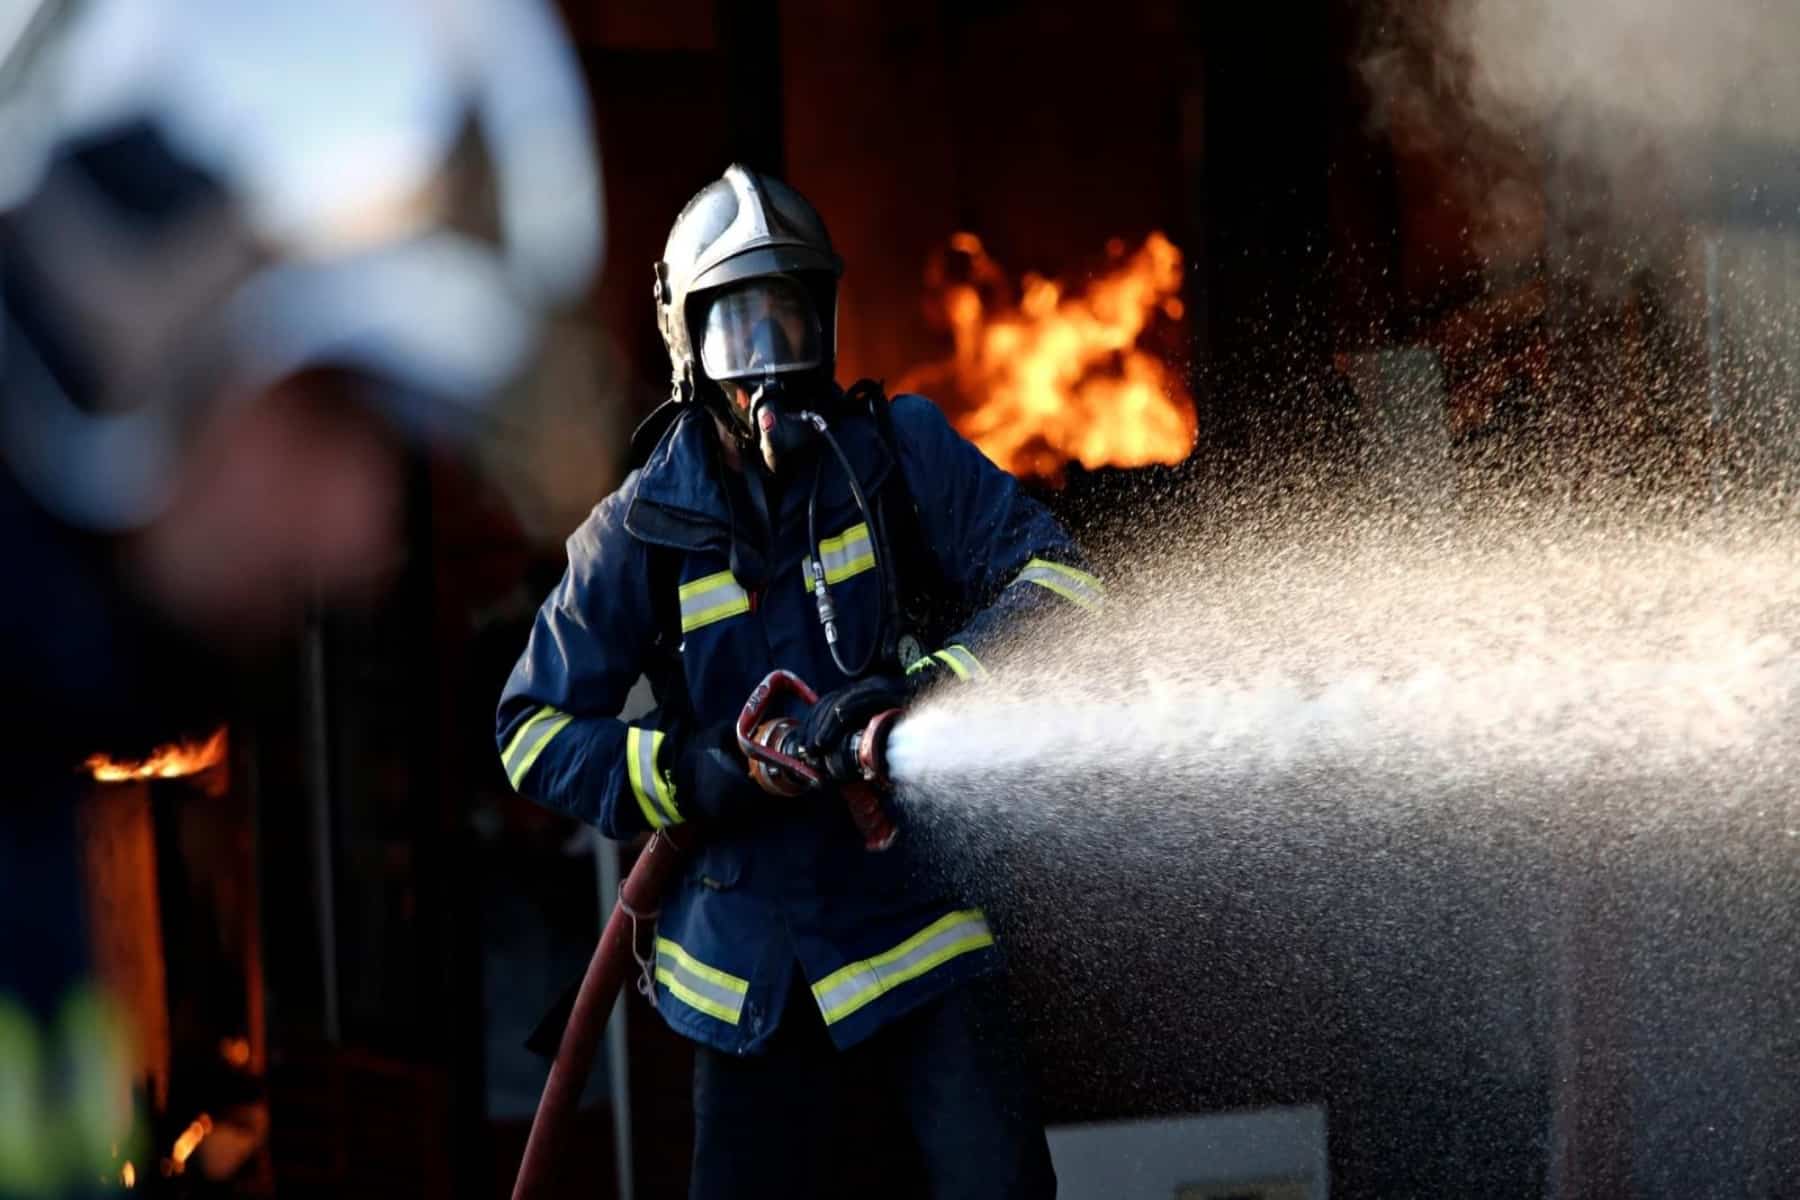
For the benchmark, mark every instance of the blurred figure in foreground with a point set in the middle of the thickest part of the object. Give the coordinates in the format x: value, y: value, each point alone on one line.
x: 229, y: 288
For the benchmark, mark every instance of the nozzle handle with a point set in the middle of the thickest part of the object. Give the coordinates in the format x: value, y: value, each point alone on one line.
x: 775, y: 684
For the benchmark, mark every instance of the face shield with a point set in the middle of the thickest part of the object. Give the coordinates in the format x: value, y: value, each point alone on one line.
x: 762, y: 328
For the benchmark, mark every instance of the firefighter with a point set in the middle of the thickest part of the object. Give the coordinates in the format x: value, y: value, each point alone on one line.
x: 776, y: 520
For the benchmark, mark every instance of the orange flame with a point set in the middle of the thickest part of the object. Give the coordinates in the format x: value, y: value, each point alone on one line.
x: 167, y: 762
x: 1058, y: 375
x: 186, y: 1144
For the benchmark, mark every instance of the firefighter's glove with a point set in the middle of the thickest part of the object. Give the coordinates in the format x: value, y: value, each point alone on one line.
x: 839, y: 714
x: 712, y: 779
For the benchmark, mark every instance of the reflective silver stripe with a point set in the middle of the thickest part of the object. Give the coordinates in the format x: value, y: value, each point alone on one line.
x: 655, y: 794
x: 963, y: 663
x: 700, y: 987
x: 849, y: 553
x: 528, y: 742
x: 1078, y: 587
x: 845, y: 991
x: 713, y: 598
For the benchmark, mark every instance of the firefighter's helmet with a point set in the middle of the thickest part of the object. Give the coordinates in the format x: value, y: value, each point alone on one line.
x: 741, y: 227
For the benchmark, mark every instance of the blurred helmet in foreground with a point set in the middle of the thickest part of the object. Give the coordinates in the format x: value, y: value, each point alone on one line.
x: 201, y: 199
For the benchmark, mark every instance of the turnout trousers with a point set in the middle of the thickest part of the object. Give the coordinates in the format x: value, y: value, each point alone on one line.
x: 935, y: 1104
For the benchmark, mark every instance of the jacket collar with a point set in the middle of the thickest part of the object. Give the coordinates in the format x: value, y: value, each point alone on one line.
x: 680, y: 497
x: 679, y: 500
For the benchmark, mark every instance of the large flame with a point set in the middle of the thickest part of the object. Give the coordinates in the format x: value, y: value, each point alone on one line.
x: 167, y: 762
x: 1057, y: 374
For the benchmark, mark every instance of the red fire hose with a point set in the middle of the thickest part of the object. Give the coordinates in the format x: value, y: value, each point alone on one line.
x: 642, y: 892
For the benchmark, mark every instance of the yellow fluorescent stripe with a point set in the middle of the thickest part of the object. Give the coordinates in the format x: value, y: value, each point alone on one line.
x: 837, y: 574
x: 718, y: 579
x: 1071, y: 572
x: 720, y: 595
x: 856, y: 566
x: 898, y: 952
x: 556, y: 727
x: 645, y: 807
x: 637, y: 777
x: 857, y: 532
x: 693, y: 999
x: 1065, y: 591
x: 854, y: 539
x: 949, y: 660
x: 961, y: 655
x: 519, y: 733
x: 694, y: 966
x: 887, y: 983
x: 965, y: 652
x: 718, y: 612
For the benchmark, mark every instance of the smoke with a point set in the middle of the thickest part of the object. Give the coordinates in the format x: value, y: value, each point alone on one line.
x: 1626, y: 113
x: 1670, y: 69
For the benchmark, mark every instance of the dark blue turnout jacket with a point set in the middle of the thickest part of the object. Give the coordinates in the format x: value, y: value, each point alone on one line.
x: 797, y: 892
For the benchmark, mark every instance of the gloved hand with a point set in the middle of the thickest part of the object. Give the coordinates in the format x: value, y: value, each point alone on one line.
x: 839, y: 714
x: 711, y: 777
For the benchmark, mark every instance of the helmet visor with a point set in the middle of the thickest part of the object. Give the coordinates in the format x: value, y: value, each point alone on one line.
x: 766, y: 326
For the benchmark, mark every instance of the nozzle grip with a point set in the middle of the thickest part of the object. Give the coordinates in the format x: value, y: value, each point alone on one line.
x: 774, y: 685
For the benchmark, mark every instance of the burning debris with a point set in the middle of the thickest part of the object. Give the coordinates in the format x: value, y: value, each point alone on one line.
x: 197, y: 1131
x: 174, y: 761
x: 1048, y: 372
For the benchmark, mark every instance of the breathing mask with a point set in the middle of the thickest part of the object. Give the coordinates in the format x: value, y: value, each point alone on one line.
x: 761, y: 343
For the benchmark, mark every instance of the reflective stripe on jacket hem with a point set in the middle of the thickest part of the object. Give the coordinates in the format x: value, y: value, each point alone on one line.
x: 522, y: 751
x: 651, y: 785
x: 1077, y: 587
x: 850, y: 988
x: 704, y: 989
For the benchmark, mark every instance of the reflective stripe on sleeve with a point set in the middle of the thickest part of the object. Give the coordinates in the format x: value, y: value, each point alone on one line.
x: 849, y: 553
x: 705, y: 989
x: 711, y: 599
x: 850, y: 988
x: 1077, y: 587
x: 654, y: 791
x: 960, y: 659
x: 963, y: 663
x: 529, y: 742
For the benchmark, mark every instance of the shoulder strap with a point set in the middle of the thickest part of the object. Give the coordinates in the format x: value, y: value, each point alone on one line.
x: 667, y: 678
x: 650, y: 431
x: 916, y: 585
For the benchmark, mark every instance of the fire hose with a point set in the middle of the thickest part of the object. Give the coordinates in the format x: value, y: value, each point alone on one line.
x: 781, y: 766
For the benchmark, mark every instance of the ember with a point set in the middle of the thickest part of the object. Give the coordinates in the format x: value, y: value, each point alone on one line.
x: 235, y: 1051
x: 1056, y: 374
x: 167, y: 762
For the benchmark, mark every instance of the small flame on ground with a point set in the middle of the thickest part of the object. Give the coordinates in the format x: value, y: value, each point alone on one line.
x: 167, y: 762
x: 1057, y: 375
x: 128, y: 1175
x: 186, y: 1144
